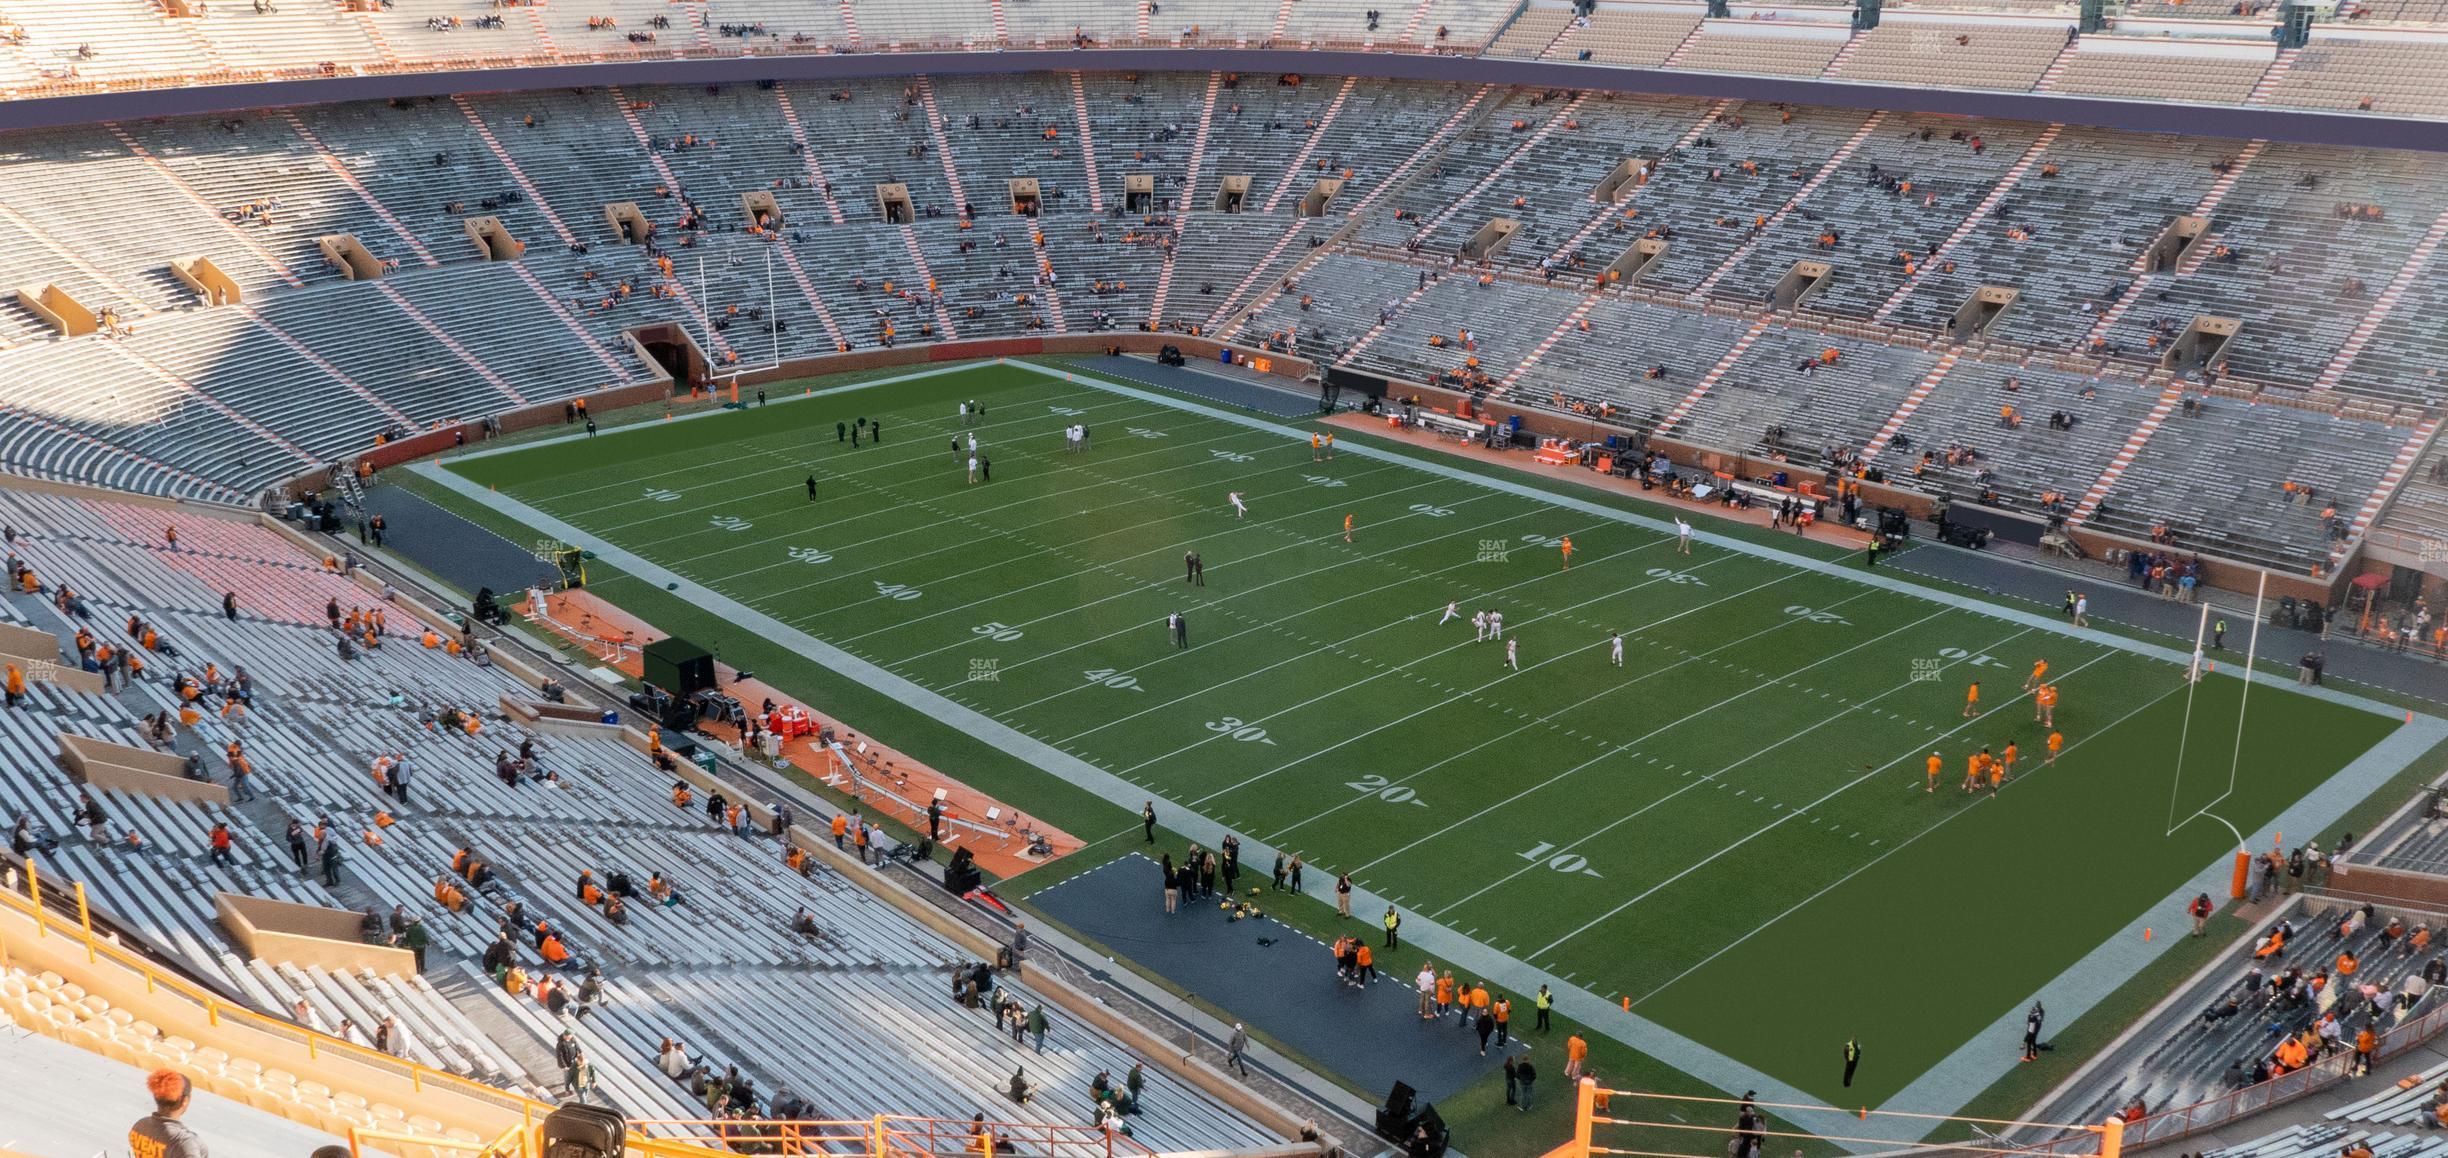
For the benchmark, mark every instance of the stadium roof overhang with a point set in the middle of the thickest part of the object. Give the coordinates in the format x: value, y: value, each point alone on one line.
x: 2241, y: 123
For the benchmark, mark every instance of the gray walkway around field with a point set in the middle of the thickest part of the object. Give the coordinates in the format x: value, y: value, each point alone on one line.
x: 1944, y: 1088
x: 1280, y: 980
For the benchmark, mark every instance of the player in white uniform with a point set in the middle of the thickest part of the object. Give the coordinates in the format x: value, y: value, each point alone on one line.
x: 1451, y: 613
x: 1239, y: 511
x: 1513, y: 654
x: 1615, y: 649
x: 1495, y: 625
x: 1479, y: 624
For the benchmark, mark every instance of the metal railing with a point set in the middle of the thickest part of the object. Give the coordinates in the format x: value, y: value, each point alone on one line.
x: 884, y: 1136
x: 2184, y: 1121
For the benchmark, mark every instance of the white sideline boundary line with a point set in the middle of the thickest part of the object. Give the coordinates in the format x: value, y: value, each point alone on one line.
x: 1942, y: 1089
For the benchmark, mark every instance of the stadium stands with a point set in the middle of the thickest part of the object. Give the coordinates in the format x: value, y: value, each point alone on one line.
x: 1909, y: 214
x: 726, y: 972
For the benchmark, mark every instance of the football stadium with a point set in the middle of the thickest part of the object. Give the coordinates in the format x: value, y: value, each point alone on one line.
x: 1239, y: 578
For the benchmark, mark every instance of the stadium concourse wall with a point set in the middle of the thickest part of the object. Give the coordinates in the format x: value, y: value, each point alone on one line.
x: 233, y: 92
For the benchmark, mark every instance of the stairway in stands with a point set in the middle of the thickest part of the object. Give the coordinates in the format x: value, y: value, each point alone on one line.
x: 2272, y: 77
x: 1606, y: 211
x: 340, y: 169
x: 1087, y: 143
x: 2138, y: 274
x: 2126, y: 454
x: 1972, y: 220
x: 1189, y: 197
x: 1835, y: 161
x: 1682, y: 410
x: 1912, y: 402
x: 2384, y: 490
x: 807, y: 154
x: 2415, y: 264
x: 442, y: 335
x: 1537, y: 137
x: 1308, y: 149
x: 518, y: 177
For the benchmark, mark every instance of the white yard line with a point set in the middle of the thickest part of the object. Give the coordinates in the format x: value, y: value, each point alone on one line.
x: 1218, y: 602
x: 1897, y: 847
x: 1333, y: 646
x: 1772, y: 825
x: 1448, y: 701
x: 1630, y: 745
x: 1141, y: 589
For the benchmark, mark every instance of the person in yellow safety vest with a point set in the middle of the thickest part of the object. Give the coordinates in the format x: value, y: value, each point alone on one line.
x: 1543, y: 1002
x: 1393, y: 928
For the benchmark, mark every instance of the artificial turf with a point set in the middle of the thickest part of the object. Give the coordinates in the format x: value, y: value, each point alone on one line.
x: 1730, y: 830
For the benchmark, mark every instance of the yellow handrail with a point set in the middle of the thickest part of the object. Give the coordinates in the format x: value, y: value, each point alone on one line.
x: 879, y: 1137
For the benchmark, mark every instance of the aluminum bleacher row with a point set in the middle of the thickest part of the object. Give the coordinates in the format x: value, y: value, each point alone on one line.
x: 723, y: 972
x: 2318, y: 251
x: 2205, y: 1041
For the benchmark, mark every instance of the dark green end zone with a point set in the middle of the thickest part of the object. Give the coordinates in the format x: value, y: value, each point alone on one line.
x: 1731, y: 829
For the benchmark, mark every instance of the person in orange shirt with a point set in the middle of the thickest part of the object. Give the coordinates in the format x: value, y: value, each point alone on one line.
x: 1934, y: 764
x: 16, y: 684
x: 2056, y: 743
x: 1444, y: 993
x: 1998, y: 770
x: 1317, y: 447
x: 1566, y: 546
x: 1576, y: 1051
x: 1347, y: 528
x: 1504, y: 1019
x: 2044, y: 706
x: 2007, y: 758
x: 1972, y: 700
x: 2039, y: 670
x: 1976, y: 769
x: 1364, y: 961
x: 841, y: 827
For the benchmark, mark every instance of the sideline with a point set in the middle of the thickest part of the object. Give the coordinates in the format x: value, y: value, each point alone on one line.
x: 1972, y: 1068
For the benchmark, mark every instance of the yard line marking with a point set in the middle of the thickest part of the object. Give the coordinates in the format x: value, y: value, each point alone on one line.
x: 1315, y: 645
x: 1448, y: 701
x: 736, y: 484
x: 1255, y: 627
x: 1805, y: 902
x: 1138, y: 590
x: 1763, y: 830
x: 1100, y: 484
x: 1780, y: 624
x: 1636, y: 743
x: 1203, y: 485
x: 698, y: 465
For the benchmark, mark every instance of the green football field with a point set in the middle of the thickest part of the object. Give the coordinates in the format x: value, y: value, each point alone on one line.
x: 1730, y: 829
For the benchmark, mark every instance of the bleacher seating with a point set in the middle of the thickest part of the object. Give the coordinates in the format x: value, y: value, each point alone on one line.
x: 724, y: 973
x: 1912, y: 213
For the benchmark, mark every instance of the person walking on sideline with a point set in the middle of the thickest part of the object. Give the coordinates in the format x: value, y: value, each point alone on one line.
x: 1852, y: 1059
x: 1235, y: 1048
x: 2201, y: 908
x: 1576, y: 1054
x: 1343, y: 890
